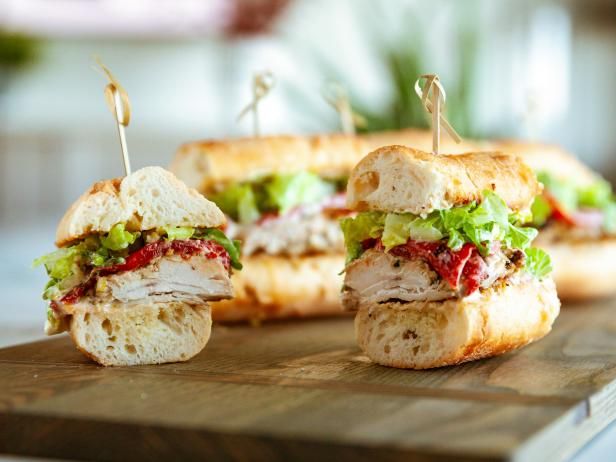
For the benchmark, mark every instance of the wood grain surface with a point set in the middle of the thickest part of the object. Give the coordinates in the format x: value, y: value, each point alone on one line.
x: 303, y: 391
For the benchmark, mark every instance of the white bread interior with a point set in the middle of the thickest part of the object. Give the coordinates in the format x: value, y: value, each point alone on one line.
x: 422, y: 335
x: 146, y: 199
x: 146, y: 334
x: 401, y: 179
x: 273, y: 287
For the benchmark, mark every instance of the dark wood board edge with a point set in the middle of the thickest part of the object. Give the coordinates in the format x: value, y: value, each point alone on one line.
x: 45, y: 436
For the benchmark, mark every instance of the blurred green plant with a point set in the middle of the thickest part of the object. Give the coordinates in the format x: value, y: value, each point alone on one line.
x: 404, y: 63
x: 17, y: 51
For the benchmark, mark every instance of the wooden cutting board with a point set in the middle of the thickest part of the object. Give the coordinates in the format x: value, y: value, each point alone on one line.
x: 303, y: 391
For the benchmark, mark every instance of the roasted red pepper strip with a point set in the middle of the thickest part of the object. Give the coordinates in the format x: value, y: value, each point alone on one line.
x: 143, y: 257
x: 463, y: 266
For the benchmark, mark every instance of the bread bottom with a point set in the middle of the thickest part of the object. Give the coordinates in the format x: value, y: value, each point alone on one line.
x: 274, y: 287
x: 584, y: 269
x: 142, y: 334
x: 422, y: 335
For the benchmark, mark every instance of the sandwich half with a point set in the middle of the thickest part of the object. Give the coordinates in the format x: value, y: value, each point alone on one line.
x: 576, y: 217
x: 139, y: 260
x: 439, y: 265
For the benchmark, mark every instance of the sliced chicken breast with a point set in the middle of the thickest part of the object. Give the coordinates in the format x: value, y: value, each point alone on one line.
x: 378, y: 277
x: 197, y: 279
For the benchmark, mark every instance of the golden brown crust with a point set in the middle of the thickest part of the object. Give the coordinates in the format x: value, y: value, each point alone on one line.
x: 420, y: 140
x: 208, y: 165
x: 401, y: 179
x: 549, y: 158
x: 421, y: 335
x: 148, y: 198
x: 273, y: 287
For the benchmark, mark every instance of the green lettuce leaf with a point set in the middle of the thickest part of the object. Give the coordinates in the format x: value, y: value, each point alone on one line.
x: 480, y: 225
x: 572, y: 197
x: 118, y: 238
x: 355, y: 230
x: 541, y: 210
x: 232, y: 247
x: 178, y: 232
x: 288, y: 191
x: 246, y: 202
x: 537, y: 262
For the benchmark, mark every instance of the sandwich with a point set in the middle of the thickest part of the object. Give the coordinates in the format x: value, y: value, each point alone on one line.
x: 440, y: 268
x: 139, y: 260
x: 283, y: 197
x: 576, y: 218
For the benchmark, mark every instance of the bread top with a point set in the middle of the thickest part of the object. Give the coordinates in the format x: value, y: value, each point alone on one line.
x: 211, y: 165
x: 146, y: 199
x: 401, y: 179
x: 548, y: 158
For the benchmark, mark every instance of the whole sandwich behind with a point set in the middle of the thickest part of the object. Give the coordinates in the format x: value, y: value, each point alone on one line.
x: 439, y: 265
x: 139, y: 259
x: 283, y: 196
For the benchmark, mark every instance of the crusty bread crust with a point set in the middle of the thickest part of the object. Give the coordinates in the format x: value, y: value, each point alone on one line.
x: 583, y: 269
x: 422, y: 335
x: 420, y: 140
x: 273, y: 287
x: 401, y: 179
x: 548, y: 158
x: 210, y: 165
x: 146, y: 199
x: 144, y: 334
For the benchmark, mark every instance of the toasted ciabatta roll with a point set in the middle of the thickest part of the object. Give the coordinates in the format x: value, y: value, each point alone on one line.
x: 402, y: 179
x: 140, y: 257
x: 274, y: 287
x: 426, y: 334
x: 439, y: 266
x: 151, y: 333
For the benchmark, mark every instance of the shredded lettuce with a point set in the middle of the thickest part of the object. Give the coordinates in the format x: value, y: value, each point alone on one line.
x: 178, y: 232
x: 246, y: 202
x: 480, y: 224
x: 118, y: 238
x: 355, y: 230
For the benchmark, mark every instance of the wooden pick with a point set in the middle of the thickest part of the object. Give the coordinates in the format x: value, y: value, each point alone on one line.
x: 119, y: 105
x: 337, y: 96
x: 262, y: 83
x: 433, y: 98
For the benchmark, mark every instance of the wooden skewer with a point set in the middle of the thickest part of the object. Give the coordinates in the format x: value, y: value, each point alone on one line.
x: 262, y: 83
x: 337, y: 96
x: 119, y: 105
x: 434, y: 106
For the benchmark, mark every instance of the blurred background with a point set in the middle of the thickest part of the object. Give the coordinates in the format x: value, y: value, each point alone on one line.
x: 541, y: 69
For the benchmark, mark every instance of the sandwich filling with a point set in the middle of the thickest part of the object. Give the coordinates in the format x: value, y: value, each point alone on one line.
x: 450, y: 253
x: 569, y: 212
x: 291, y: 214
x: 116, y: 269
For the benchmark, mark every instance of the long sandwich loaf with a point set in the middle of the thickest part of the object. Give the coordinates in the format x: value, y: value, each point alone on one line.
x: 139, y: 259
x: 439, y: 267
